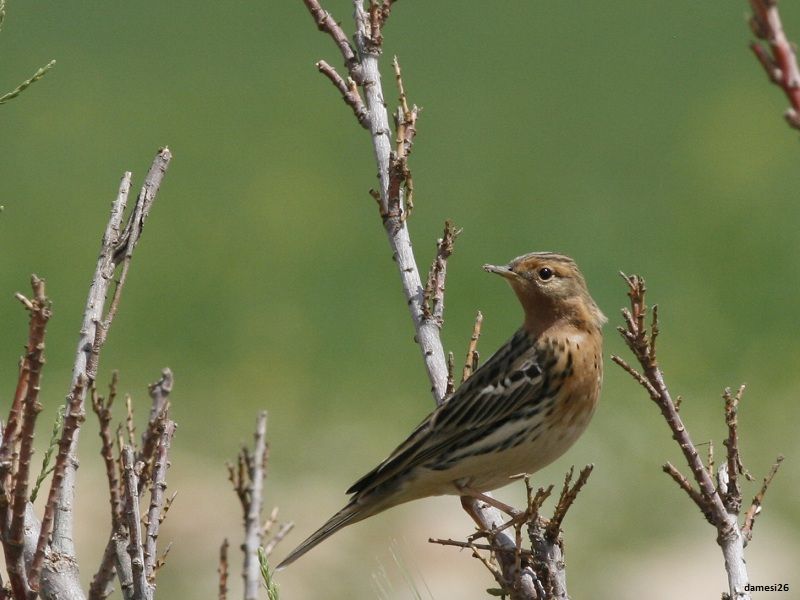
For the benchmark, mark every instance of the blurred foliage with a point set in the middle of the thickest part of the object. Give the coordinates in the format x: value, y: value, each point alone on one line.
x: 633, y: 136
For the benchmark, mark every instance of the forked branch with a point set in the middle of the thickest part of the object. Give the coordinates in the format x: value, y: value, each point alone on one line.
x: 720, y: 502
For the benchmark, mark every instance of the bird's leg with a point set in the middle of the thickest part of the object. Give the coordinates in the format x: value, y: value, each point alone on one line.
x: 501, y: 506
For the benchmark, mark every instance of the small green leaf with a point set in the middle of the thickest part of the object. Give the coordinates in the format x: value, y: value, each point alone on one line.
x: 47, y: 468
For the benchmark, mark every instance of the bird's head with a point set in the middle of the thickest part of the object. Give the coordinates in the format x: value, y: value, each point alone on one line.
x: 550, y: 288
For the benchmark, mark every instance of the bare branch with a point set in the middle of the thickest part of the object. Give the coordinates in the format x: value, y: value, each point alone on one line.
x: 451, y: 382
x: 252, y: 517
x: 687, y: 487
x: 159, y: 394
x: 223, y: 571
x: 276, y: 539
x: 755, y: 506
x: 473, y: 545
x: 141, y: 589
x: 349, y: 91
x: 72, y: 422
x: 637, y: 376
x: 102, y: 409
x: 157, y: 502
x: 39, y: 309
x: 720, y: 503
x: 640, y: 344
x: 565, y: 501
x: 405, y: 123
x: 327, y: 24
x: 116, y: 248
x: 101, y: 587
x: 733, y: 496
x: 471, y: 361
x: 433, y: 307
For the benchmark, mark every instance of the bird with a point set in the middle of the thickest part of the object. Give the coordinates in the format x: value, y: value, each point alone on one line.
x: 517, y: 413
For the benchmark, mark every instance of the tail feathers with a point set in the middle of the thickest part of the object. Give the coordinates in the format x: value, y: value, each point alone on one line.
x: 351, y: 513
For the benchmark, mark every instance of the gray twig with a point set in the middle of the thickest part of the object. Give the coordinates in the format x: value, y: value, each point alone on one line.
x: 158, y: 487
x: 135, y: 549
x: 116, y: 251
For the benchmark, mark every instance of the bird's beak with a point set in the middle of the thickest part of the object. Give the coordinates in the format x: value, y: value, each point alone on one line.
x: 501, y: 270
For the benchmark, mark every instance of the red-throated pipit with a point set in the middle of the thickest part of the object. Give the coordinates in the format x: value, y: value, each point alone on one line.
x: 517, y: 413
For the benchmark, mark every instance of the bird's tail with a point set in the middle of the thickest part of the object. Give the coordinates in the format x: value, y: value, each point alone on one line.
x: 351, y: 513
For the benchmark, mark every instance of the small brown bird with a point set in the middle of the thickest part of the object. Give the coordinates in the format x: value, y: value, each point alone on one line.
x: 518, y: 412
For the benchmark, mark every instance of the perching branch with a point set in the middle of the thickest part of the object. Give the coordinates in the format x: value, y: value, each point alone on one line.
x: 778, y: 56
x: 425, y: 303
x: 719, y: 502
x: 537, y: 571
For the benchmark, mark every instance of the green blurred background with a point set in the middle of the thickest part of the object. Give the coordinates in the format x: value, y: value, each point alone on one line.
x: 636, y: 136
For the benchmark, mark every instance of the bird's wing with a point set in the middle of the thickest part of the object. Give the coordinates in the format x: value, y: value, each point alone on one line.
x: 510, y: 380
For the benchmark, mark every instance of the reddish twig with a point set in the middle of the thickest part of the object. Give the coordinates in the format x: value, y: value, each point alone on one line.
x: 471, y: 361
x: 690, y: 490
x: 223, y: 571
x: 780, y: 61
x: 156, y: 439
x: 652, y: 379
x: 565, y: 501
x: 755, y: 506
x: 38, y: 307
x: 433, y: 306
x: 159, y: 395
x: 349, y: 91
x: 102, y: 409
x: 720, y: 504
x: 327, y: 24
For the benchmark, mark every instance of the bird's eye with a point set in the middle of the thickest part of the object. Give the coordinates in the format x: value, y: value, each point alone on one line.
x: 545, y: 273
